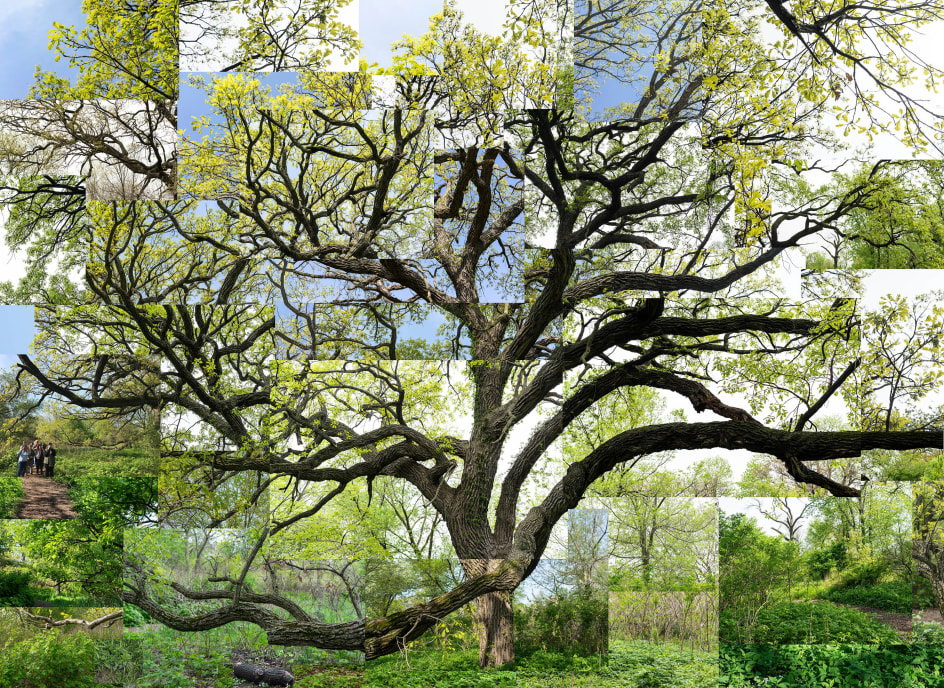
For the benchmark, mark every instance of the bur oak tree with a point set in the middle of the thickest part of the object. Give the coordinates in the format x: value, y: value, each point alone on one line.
x: 654, y: 236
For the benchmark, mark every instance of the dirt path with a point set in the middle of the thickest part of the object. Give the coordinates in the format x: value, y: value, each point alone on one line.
x: 45, y: 498
x: 900, y: 623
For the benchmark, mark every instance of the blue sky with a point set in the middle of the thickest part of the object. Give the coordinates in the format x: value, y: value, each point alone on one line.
x: 16, y: 332
x: 611, y: 94
x: 24, y: 36
x: 382, y: 22
x: 193, y: 103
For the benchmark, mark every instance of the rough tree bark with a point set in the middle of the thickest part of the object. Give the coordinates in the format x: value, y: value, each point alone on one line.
x: 497, y: 634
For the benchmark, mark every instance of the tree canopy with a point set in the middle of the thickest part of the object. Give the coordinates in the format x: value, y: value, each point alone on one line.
x: 452, y: 314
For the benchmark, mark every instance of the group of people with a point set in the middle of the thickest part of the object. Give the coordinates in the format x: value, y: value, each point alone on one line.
x: 36, y: 458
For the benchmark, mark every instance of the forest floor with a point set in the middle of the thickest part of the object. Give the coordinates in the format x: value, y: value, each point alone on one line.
x: 900, y: 623
x: 45, y: 498
x: 932, y: 615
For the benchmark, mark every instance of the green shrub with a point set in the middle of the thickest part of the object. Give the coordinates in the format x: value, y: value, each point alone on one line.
x: 788, y: 623
x: 927, y: 633
x: 893, y: 596
x: 648, y: 665
x: 837, y: 666
x: 820, y: 562
x: 11, y: 494
x: 135, y: 616
x: 574, y: 622
x: 328, y: 677
x: 862, y: 574
x: 439, y: 679
x: 50, y: 660
x: 118, y: 660
x: 923, y: 595
x: 9, y: 462
x: 14, y: 581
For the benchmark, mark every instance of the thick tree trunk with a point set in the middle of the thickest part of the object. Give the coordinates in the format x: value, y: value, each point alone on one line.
x: 496, y: 629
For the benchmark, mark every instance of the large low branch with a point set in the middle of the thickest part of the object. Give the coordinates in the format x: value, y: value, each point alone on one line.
x: 347, y: 635
x: 38, y: 620
x: 791, y: 447
x: 386, y: 635
x: 378, y: 637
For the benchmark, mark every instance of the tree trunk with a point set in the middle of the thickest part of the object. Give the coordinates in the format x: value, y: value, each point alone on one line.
x: 937, y: 586
x: 496, y: 629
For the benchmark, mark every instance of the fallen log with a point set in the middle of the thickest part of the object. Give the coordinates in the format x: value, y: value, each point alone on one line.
x: 258, y: 674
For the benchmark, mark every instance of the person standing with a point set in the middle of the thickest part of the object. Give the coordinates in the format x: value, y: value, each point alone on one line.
x: 40, y: 452
x: 23, y: 461
x: 50, y: 460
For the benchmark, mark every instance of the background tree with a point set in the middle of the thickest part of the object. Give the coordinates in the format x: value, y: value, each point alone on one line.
x: 928, y: 550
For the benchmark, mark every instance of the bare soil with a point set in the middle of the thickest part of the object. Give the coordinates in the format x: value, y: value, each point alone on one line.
x: 45, y: 499
x: 900, y: 623
x: 930, y: 615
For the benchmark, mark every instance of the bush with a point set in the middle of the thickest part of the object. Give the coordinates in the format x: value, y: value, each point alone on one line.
x: 573, y: 622
x: 838, y: 666
x: 645, y: 665
x: 118, y: 660
x: 135, y: 616
x: 9, y: 461
x: 438, y: 679
x: 789, y: 623
x: 11, y: 494
x: 14, y: 581
x: 821, y: 561
x: 923, y: 595
x: 893, y: 597
x: 50, y: 660
x: 862, y: 574
x: 927, y: 633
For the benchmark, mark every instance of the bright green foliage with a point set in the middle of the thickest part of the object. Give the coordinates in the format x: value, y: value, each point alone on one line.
x: 572, y: 622
x: 256, y: 36
x: 14, y: 583
x: 445, y: 679
x: 126, y: 50
x: 902, y: 363
x: 11, y: 493
x: 902, y: 226
x: 837, y: 666
x: 50, y: 660
x: 821, y: 562
x: 45, y: 221
x: 85, y: 557
x: 478, y: 76
x: 626, y: 665
x: 894, y: 596
x: 788, y: 623
x: 752, y: 566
